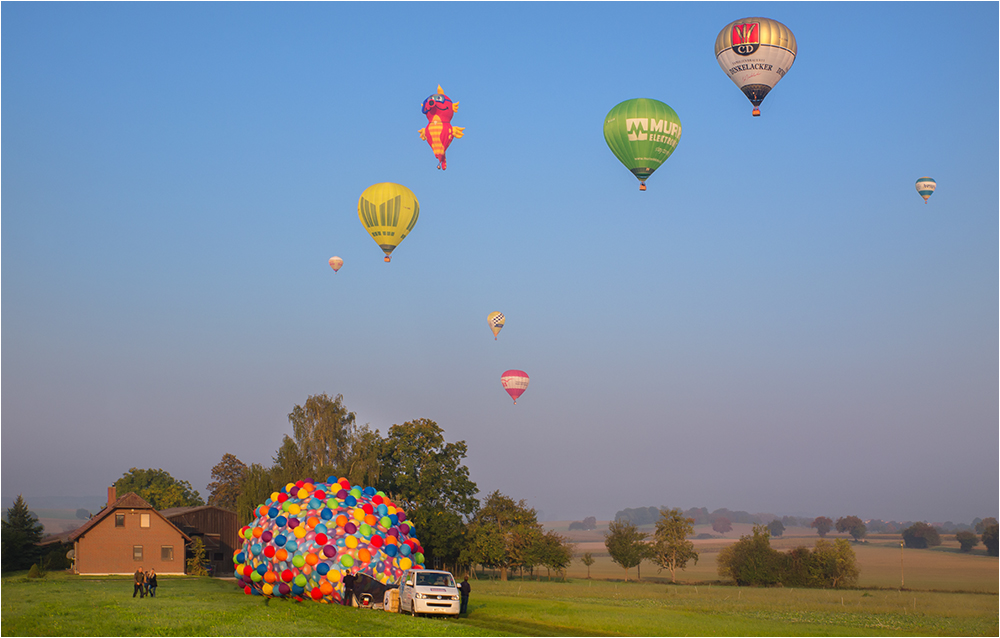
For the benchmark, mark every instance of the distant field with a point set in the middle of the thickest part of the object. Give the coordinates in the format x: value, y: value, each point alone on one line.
x: 66, y: 605
x: 942, y: 568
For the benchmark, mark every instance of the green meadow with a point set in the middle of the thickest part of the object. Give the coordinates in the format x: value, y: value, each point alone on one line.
x: 61, y: 604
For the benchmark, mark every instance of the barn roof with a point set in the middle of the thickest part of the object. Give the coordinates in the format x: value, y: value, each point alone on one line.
x: 128, y: 501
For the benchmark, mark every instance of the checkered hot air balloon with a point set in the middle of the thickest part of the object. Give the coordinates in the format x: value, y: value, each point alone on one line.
x: 495, y: 321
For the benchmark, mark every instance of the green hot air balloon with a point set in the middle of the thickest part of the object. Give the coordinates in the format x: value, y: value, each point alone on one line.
x: 642, y: 133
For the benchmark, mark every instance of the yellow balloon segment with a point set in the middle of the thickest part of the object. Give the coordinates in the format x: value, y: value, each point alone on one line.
x: 388, y: 212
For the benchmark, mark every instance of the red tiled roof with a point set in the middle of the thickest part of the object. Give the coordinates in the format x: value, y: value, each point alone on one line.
x: 130, y: 501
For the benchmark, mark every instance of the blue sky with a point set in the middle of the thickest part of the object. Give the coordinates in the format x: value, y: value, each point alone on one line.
x: 778, y: 324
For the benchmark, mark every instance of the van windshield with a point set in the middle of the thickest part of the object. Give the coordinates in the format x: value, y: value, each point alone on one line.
x: 435, y: 580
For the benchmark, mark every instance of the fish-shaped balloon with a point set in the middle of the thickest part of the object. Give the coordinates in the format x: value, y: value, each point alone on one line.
x: 439, y: 132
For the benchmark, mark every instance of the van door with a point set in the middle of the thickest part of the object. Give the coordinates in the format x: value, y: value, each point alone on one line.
x: 406, y: 591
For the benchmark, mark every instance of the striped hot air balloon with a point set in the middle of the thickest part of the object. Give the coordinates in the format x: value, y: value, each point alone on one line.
x: 926, y: 186
x: 388, y: 212
x: 336, y: 263
x: 515, y: 382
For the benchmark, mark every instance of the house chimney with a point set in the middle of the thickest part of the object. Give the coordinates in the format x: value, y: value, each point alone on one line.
x: 111, y: 495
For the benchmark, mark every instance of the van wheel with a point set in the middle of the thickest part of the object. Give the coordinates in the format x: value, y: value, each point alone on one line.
x: 412, y: 611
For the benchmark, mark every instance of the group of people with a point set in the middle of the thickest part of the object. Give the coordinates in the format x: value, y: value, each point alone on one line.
x: 145, y: 583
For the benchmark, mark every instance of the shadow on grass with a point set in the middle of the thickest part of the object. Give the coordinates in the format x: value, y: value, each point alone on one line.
x: 525, y: 628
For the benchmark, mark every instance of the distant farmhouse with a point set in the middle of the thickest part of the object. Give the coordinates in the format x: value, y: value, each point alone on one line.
x: 128, y: 533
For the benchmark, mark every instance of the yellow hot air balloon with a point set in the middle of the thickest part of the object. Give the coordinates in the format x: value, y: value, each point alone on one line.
x: 495, y: 320
x: 388, y: 212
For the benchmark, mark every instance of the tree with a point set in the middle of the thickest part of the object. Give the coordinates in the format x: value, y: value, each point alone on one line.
x: 752, y: 560
x: 227, y: 477
x: 158, y: 488
x: 196, y: 564
x: 427, y: 478
x: 721, y: 524
x: 671, y: 550
x: 921, y: 536
x: 554, y: 551
x: 625, y: 544
x: 501, y: 532
x: 588, y: 560
x: 835, y: 563
x: 853, y: 526
x: 257, y: 486
x: 822, y: 524
x: 82, y: 514
x: 990, y: 538
x: 967, y: 540
x: 322, y: 429
x: 20, y: 533
x: 776, y: 528
x: 980, y: 525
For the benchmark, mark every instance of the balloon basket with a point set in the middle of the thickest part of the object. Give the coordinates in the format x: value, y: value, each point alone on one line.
x: 387, y: 260
x: 642, y: 187
x: 756, y: 112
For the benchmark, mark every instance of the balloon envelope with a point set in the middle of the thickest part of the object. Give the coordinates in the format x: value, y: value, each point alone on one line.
x: 388, y: 212
x: 336, y: 263
x: 755, y: 53
x: 495, y: 321
x: 926, y: 186
x: 642, y: 133
x: 515, y: 382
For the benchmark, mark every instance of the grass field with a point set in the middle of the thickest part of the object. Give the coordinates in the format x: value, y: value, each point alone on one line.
x: 63, y: 605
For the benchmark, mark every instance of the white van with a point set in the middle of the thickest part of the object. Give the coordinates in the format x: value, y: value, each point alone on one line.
x: 426, y: 591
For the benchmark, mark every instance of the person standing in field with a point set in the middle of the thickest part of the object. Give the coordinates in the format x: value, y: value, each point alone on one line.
x: 151, y: 583
x: 349, y: 589
x: 140, y: 583
x: 464, y: 589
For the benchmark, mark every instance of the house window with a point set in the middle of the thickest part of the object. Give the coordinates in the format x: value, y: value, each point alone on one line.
x: 137, y: 552
x: 143, y: 520
x: 119, y: 520
x: 167, y: 553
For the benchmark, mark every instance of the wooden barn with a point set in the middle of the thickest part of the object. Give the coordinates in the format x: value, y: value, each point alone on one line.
x: 126, y: 535
x: 218, y: 529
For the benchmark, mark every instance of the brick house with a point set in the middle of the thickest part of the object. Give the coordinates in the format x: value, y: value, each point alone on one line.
x: 126, y: 535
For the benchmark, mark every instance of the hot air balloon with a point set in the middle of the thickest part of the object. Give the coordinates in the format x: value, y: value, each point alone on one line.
x: 642, y: 133
x: 439, y: 132
x: 495, y: 320
x: 336, y: 263
x: 926, y: 186
x: 515, y: 382
x: 755, y: 53
x: 388, y: 212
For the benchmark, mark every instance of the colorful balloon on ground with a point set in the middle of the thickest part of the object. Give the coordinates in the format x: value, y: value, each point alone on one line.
x: 515, y: 382
x: 495, y: 320
x: 308, y: 536
x: 336, y: 263
x: 755, y: 53
x: 642, y: 133
x: 389, y: 212
x: 926, y: 186
x: 439, y: 132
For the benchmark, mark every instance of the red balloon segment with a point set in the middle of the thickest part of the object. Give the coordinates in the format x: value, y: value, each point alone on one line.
x: 515, y: 382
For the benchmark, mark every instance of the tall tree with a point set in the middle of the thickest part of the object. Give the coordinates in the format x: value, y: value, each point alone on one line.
x: 21, y: 530
x: 967, y: 540
x: 555, y: 552
x: 626, y: 544
x: 425, y: 476
x: 498, y: 532
x: 989, y: 538
x: 776, y: 528
x: 322, y: 429
x: 921, y: 536
x: 671, y: 550
x: 853, y: 526
x: 258, y: 484
x: 158, y: 488
x: 822, y: 524
x: 227, y: 477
